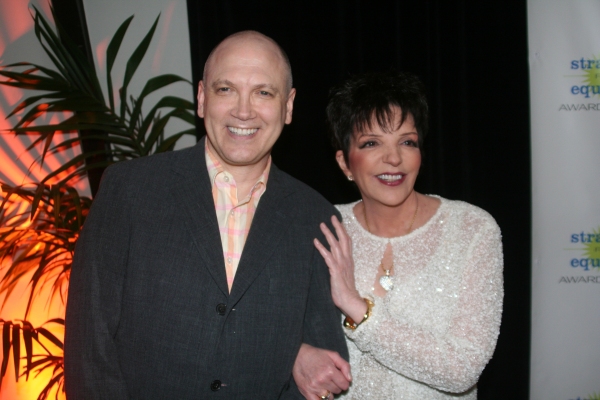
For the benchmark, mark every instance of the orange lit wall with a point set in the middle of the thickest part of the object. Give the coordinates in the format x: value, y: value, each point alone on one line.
x: 168, y: 53
x: 18, y: 43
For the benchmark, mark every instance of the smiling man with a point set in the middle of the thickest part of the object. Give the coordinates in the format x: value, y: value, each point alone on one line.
x: 195, y: 275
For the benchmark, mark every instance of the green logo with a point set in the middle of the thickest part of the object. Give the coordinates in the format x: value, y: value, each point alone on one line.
x: 589, y: 246
x: 590, y: 72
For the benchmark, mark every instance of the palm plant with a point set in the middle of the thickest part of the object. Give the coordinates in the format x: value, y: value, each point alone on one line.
x: 40, y: 222
x: 13, y: 332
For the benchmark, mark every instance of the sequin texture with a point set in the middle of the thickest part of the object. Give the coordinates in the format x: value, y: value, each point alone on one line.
x: 433, y: 333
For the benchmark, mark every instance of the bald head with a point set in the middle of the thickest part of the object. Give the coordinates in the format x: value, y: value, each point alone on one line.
x: 246, y: 40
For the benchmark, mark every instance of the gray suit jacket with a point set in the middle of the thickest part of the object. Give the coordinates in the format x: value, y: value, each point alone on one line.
x: 149, y: 314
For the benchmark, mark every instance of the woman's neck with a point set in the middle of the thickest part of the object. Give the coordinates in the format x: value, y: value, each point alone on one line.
x: 386, y: 221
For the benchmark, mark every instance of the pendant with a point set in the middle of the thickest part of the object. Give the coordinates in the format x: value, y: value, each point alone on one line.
x: 386, y: 281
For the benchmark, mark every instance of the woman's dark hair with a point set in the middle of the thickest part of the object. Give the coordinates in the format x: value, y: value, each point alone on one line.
x: 353, y: 104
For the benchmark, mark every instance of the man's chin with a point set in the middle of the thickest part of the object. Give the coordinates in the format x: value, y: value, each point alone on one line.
x: 245, y: 160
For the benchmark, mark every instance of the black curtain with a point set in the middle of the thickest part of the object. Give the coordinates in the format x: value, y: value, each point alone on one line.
x: 472, y: 57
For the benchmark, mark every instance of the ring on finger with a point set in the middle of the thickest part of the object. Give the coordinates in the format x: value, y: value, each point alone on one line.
x: 326, y: 396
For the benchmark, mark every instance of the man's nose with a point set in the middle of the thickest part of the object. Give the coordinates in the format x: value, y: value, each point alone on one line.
x: 244, y: 109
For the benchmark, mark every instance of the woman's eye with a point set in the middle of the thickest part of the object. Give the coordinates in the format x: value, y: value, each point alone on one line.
x: 369, y: 143
x: 410, y: 143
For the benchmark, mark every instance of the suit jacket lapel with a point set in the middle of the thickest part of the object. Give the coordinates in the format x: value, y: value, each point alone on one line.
x: 272, y: 217
x: 192, y: 191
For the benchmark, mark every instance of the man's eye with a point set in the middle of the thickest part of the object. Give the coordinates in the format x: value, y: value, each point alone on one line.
x: 264, y: 93
x: 223, y: 89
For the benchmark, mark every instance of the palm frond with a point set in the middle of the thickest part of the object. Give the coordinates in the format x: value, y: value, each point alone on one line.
x: 72, y: 89
x: 40, y: 223
x: 21, y: 331
x: 42, y: 247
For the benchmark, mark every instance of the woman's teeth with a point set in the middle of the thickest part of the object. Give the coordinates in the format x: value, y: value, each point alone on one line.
x: 241, y: 131
x: 390, y: 178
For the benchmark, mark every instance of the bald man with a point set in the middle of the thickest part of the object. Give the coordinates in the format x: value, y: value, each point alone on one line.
x: 195, y: 276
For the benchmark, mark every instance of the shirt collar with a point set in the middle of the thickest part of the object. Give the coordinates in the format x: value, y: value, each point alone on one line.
x: 215, y: 168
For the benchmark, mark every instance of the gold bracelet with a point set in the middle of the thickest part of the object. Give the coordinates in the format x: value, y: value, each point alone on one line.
x: 349, y: 322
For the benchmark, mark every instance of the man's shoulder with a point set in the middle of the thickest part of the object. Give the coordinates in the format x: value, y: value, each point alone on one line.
x: 150, y: 175
x: 304, y: 197
x: 152, y: 164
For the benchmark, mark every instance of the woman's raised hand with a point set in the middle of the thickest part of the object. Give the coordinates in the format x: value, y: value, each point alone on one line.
x: 341, y: 268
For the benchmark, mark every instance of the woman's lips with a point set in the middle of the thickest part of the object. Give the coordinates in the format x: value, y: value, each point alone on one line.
x: 391, y: 179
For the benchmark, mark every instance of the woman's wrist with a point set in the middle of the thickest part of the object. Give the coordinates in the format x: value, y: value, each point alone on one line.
x: 356, y: 308
x: 349, y: 302
x: 350, y: 323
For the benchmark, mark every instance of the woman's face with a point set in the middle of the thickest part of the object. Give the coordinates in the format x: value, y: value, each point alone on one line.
x: 383, y: 164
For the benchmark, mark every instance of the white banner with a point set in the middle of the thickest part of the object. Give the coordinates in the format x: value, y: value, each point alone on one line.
x: 564, y: 59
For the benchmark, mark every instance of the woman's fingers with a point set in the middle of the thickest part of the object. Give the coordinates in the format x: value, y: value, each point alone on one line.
x: 343, y: 238
x: 324, y: 253
x: 328, y: 235
x: 339, y: 255
x: 334, y: 245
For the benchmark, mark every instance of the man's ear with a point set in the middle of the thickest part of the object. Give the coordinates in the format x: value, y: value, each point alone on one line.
x: 289, y: 106
x: 201, y: 99
x: 339, y: 157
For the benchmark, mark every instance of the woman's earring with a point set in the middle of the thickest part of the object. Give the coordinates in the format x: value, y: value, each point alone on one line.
x: 350, y: 178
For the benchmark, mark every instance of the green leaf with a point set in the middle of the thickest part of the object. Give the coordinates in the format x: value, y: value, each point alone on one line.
x: 5, y: 347
x: 156, y: 133
x: 60, y: 321
x: 111, y: 55
x: 169, y: 143
x: 67, y: 57
x: 46, y: 333
x: 167, y: 101
x: 28, y: 340
x: 77, y: 203
x: 51, y: 73
x: 16, y: 345
x: 36, y: 199
x: 57, y: 51
x: 133, y: 63
x: 151, y: 86
x: 31, y: 81
x: 45, y: 150
x: 33, y: 99
x: 138, y: 55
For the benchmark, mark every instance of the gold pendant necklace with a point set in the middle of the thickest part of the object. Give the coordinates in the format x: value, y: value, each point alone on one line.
x: 387, y: 281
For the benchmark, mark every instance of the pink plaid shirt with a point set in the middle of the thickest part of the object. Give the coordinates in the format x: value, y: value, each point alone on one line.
x: 235, y: 217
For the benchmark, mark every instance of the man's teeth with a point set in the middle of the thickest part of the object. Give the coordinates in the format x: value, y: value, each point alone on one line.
x: 242, y: 131
x: 390, y: 178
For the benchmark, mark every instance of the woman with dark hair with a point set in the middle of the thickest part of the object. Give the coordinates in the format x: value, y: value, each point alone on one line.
x: 418, y: 277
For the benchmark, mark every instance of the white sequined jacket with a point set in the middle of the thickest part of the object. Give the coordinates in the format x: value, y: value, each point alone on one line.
x: 433, y: 333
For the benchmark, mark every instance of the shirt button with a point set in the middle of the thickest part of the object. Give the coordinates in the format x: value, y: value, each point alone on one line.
x: 232, y: 213
x: 226, y: 178
x: 215, y: 385
x: 229, y: 260
x: 221, y: 308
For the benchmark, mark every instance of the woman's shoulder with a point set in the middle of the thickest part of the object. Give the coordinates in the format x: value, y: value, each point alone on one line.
x: 347, y: 209
x: 467, y: 213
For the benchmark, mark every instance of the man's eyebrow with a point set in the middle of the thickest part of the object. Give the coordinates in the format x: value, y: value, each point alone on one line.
x: 225, y: 82
x: 221, y: 82
x: 267, y: 86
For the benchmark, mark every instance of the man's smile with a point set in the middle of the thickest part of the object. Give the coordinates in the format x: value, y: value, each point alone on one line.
x: 242, y: 131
